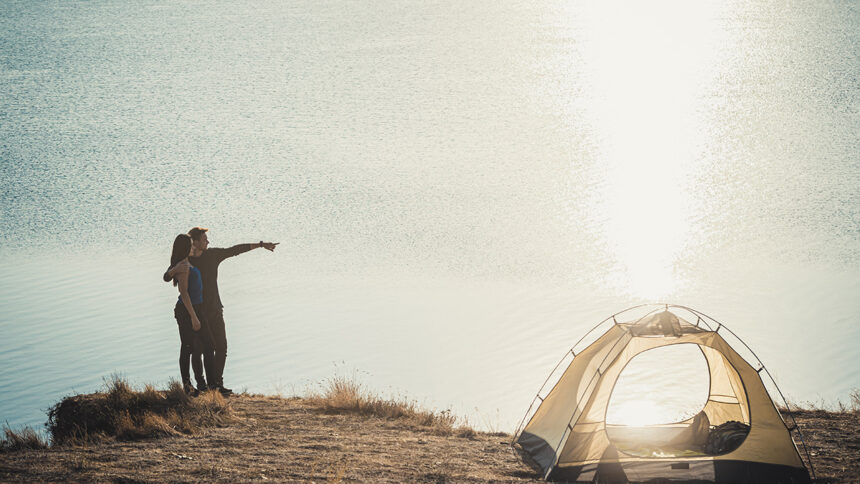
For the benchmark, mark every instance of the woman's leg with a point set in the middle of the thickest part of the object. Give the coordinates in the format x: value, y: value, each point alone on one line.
x: 186, y: 339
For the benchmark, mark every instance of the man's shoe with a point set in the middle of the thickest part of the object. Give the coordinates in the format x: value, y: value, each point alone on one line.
x: 223, y: 391
x: 202, y: 386
x: 190, y: 390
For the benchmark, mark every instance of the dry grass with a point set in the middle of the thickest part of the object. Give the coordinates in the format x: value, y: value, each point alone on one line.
x: 849, y: 408
x: 344, y: 395
x: 26, y: 438
x: 292, y: 440
x: 122, y: 413
x: 280, y: 440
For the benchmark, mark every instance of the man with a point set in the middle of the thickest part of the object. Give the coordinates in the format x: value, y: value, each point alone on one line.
x: 208, y: 260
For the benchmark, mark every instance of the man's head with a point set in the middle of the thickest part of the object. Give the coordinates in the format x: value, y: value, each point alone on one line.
x: 199, y: 239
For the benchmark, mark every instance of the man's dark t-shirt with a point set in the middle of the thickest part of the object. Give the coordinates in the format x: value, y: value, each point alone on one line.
x: 208, y: 263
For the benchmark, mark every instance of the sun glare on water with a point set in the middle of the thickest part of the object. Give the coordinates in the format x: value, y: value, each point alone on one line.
x: 648, y: 65
x: 660, y: 386
x: 638, y: 413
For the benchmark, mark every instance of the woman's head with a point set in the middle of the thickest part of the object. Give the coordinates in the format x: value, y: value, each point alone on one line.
x: 181, y: 249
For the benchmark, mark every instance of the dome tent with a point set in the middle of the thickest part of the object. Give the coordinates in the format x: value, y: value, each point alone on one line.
x: 568, y: 439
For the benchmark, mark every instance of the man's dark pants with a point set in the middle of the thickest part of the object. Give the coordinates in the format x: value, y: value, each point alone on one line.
x: 215, y: 320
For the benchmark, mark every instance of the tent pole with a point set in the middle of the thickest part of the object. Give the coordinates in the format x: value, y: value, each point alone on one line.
x: 569, y: 428
x: 778, y: 390
x: 521, y: 425
x: 612, y: 318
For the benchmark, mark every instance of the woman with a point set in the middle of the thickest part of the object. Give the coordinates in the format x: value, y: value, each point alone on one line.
x: 193, y: 333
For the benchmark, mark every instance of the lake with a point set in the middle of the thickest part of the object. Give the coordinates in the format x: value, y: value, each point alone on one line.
x: 461, y: 190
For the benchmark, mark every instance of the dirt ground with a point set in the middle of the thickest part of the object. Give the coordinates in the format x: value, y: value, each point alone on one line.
x: 833, y: 441
x: 276, y: 439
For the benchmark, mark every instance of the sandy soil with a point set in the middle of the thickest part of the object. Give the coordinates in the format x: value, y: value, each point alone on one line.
x: 276, y: 439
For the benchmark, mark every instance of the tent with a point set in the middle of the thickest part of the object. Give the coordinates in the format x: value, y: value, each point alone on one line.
x: 738, y: 436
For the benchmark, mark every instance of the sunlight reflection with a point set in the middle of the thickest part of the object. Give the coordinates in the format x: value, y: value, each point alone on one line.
x: 647, y: 66
x: 638, y: 413
x: 662, y: 385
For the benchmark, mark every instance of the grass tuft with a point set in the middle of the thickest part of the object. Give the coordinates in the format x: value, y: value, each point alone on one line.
x: 345, y: 395
x: 466, y: 433
x: 852, y: 407
x: 122, y: 413
x: 25, y: 438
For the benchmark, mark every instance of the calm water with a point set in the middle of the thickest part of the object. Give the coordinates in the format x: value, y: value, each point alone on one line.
x: 461, y: 189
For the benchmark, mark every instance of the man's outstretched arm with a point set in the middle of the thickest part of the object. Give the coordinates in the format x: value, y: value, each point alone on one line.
x: 222, y: 254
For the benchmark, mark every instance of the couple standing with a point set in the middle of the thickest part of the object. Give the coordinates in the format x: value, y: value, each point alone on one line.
x: 199, y: 312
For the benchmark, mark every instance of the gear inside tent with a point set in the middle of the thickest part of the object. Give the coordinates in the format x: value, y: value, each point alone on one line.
x: 738, y: 435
